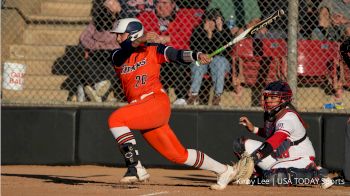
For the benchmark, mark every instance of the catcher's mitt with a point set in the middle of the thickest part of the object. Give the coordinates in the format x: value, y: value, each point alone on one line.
x: 245, y: 169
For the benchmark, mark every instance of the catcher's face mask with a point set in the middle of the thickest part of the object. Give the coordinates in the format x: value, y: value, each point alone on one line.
x: 274, y: 99
x: 276, y: 95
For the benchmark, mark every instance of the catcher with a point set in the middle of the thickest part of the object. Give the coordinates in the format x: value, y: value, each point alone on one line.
x: 286, y: 157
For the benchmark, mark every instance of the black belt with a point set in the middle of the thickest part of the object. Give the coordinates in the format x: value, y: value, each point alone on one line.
x: 298, y: 141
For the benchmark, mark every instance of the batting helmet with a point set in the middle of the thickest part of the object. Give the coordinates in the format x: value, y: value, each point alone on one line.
x: 277, y: 89
x: 133, y: 26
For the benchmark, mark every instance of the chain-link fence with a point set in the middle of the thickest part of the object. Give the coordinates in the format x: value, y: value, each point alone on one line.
x: 56, y: 52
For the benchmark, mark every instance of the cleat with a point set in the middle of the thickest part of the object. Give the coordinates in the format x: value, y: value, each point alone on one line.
x: 135, y: 174
x: 224, y: 179
x: 326, y: 182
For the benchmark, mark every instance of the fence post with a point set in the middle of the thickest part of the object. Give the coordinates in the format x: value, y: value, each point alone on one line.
x: 292, y: 45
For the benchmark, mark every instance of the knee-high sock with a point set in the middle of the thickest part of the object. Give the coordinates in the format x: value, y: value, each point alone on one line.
x: 200, y: 160
x: 123, y: 135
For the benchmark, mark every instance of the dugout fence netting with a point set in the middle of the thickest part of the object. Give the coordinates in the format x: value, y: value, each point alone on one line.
x: 45, y: 61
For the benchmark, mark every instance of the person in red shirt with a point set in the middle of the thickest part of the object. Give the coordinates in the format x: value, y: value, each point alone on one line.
x: 175, y: 27
x: 138, y: 64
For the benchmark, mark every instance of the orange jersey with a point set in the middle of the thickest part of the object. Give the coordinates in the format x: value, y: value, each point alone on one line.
x: 139, y: 74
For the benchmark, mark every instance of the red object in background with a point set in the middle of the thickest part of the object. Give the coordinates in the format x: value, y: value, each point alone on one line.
x: 274, y: 47
x: 180, y: 29
x: 316, y: 58
x: 243, y: 53
x: 244, y: 49
x: 250, y: 53
x: 277, y: 50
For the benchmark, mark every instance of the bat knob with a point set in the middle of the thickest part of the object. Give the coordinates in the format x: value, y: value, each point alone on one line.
x: 282, y: 12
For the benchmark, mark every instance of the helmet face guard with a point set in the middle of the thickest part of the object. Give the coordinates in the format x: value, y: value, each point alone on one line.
x: 278, y: 89
x: 133, y: 26
x: 285, y: 98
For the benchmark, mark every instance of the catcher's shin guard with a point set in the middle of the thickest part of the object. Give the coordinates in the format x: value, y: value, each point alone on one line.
x: 311, y: 176
x: 136, y: 172
x: 277, y: 177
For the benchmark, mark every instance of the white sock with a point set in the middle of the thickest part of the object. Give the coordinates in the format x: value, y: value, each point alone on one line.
x: 123, y: 135
x: 200, y: 160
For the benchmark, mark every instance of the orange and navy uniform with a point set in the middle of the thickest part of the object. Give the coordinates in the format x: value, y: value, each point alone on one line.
x: 139, y: 74
x: 149, y: 106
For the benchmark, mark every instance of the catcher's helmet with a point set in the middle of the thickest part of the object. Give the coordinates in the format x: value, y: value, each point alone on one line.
x: 277, y: 89
x: 133, y: 26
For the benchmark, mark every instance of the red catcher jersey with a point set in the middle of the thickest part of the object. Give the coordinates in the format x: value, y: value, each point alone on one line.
x: 140, y: 73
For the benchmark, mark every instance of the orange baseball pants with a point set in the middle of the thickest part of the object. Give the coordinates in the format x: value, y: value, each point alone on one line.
x: 151, y: 116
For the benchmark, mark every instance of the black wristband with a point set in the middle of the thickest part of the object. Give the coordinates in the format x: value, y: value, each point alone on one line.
x: 195, y: 55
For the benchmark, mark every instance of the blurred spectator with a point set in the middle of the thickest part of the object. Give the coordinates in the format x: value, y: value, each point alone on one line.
x: 132, y: 8
x: 339, y: 10
x: 341, y: 79
x: 277, y: 29
x: 326, y: 30
x: 238, y: 14
x: 175, y: 27
x: 212, y: 33
x: 334, y: 25
x: 308, y: 17
x: 334, y: 20
x: 71, y: 65
x: 98, y: 42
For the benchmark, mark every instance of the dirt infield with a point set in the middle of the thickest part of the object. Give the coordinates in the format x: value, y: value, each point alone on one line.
x: 99, y: 180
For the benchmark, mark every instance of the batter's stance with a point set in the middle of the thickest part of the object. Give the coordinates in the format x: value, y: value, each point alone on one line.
x: 138, y: 64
